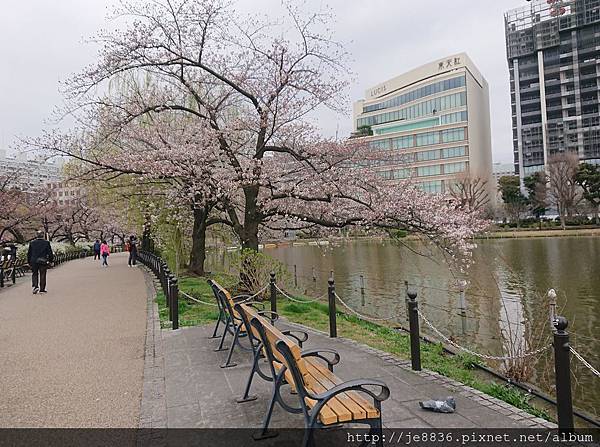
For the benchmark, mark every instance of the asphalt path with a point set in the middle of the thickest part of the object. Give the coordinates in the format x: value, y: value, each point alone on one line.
x: 74, y: 357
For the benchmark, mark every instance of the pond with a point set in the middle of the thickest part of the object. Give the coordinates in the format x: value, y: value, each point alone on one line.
x: 506, y: 308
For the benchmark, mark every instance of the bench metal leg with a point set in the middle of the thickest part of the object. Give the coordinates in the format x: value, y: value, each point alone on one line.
x: 228, y: 363
x: 375, y: 428
x: 247, y: 397
x: 265, y: 433
x: 214, y: 334
x: 221, y: 348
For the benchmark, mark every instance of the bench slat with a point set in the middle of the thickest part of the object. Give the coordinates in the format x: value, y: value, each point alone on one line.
x: 368, y: 407
x: 356, y: 410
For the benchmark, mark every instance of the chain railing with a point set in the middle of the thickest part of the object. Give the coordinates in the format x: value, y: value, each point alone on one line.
x: 584, y: 361
x: 477, y: 354
x: 562, y: 348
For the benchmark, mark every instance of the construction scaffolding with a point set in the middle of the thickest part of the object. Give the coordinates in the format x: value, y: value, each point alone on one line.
x: 538, y: 25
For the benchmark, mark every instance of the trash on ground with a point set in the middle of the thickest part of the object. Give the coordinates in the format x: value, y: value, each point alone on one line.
x: 440, y: 406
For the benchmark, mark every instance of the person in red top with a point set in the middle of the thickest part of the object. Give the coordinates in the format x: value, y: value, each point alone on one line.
x: 104, y: 252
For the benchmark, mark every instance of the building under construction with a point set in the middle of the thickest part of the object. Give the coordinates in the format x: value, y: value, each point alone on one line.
x: 553, y: 50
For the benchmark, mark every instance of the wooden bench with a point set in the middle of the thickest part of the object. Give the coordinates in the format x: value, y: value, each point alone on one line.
x: 247, y: 313
x: 324, y: 399
x: 234, y: 322
x: 222, y: 319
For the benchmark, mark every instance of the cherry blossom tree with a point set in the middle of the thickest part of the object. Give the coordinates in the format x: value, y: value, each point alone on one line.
x: 19, y: 209
x: 214, y: 110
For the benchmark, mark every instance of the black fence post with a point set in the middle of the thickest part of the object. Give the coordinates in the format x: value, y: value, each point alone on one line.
x: 332, y: 311
x: 174, y: 302
x: 166, y: 284
x: 170, y: 280
x: 273, y: 294
x: 562, y: 369
x: 413, y: 322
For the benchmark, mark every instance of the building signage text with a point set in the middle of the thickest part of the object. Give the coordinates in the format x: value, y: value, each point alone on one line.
x: 449, y: 63
x: 378, y: 90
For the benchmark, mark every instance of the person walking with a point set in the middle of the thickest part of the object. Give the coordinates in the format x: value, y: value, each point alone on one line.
x: 97, y: 250
x: 104, y: 252
x: 132, y: 251
x: 39, y: 257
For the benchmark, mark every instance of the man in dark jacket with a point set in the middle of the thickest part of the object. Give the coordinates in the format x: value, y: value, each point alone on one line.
x: 39, y: 257
x: 97, y: 250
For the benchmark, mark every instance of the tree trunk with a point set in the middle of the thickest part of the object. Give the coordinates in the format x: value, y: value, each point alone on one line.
x: 252, y: 220
x: 198, y: 254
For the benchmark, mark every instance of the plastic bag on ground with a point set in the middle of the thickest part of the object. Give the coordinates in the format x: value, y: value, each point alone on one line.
x: 440, y: 406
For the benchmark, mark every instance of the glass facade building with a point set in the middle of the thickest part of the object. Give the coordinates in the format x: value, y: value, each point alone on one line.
x: 433, y: 121
x: 553, y: 51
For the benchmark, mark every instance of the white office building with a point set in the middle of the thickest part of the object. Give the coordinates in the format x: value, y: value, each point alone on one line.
x: 436, y: 118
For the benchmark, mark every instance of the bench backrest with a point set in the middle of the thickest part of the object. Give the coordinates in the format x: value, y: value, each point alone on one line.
x: 291, y: 357
x: 247, y: 313
x: 227, y: 303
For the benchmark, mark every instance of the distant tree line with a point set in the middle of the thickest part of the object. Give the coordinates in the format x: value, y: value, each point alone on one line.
x: 565, y: 185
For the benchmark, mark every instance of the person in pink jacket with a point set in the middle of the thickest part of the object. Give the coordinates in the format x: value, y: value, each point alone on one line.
x: 104, y: 252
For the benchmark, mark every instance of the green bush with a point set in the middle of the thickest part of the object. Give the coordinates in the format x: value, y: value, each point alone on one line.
x: 254, y: 269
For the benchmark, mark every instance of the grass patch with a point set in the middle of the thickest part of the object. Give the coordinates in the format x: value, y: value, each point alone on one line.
x: 190, y: 312
x: 315, y: 315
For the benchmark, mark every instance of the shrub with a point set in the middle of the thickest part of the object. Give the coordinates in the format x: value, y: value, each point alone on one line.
x: 254, y: 269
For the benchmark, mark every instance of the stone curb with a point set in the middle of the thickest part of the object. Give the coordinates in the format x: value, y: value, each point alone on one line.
x: 527, y: 420
x: 153, y: 407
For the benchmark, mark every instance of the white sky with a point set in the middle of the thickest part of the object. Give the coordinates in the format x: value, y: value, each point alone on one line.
x: 42, y: 42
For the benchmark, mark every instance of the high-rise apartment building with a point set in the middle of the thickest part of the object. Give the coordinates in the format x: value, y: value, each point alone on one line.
x: 436, y: 118
x: 28, y: 174
x: 553, y: 50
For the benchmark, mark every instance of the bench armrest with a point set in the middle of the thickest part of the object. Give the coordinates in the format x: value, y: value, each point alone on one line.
x: 274, y: 316
x: 300, y: 336
x: 256, y: 304
x: 354, y: 385
x: 319, y: 353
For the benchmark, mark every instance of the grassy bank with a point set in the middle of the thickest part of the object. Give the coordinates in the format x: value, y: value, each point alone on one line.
x: 315, y: 315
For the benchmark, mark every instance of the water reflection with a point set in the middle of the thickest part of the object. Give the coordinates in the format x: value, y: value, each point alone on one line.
x: 505, y: 298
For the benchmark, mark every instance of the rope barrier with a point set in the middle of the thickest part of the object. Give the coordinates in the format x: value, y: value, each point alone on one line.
x: 585, y: 363
x: 258, y: 293
x: 188, y: 296
x: 296, y: 300
x: 364, y: 317
x: 476, y: 354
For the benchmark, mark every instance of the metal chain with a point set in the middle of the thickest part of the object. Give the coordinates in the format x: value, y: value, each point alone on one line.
x: 215, y: 305
x: 196, y: 299
x: 476, y: 354
x: 585, y: 363
x: 296, y: 300
x: 259, y: 292
x: 364, y: 317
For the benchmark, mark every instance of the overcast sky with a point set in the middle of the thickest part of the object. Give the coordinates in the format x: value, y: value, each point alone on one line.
x: 42, y: 42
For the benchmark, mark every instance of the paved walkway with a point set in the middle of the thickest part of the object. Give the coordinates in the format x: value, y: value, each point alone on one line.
x: 75, y: 356
x: 200, y: 394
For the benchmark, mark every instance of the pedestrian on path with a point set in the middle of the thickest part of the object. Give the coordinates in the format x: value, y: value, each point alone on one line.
x: 104, y: 252
x: 97, y: 250
x: 39, y: 257
x: 132, y: 251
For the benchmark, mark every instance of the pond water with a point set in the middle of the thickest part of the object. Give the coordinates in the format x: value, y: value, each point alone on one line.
x: 506, y: 305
